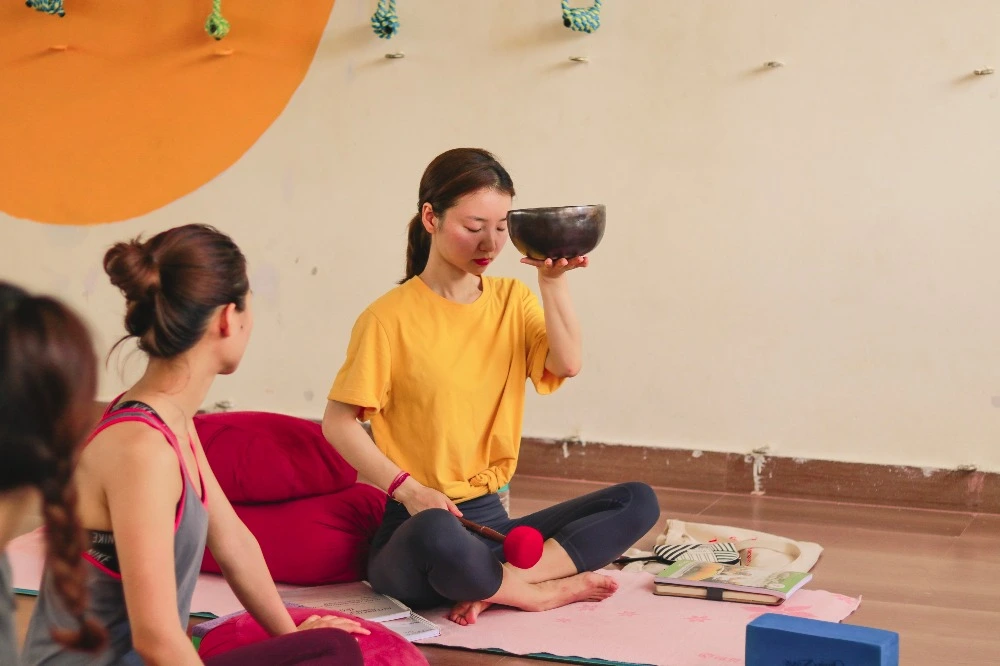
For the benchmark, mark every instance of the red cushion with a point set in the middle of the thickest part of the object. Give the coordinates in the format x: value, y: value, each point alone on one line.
x: 316, y: 540
x: 382, y: 647
x: 264, y: 457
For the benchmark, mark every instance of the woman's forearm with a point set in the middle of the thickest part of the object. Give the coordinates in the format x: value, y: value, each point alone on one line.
x: 561, y: 326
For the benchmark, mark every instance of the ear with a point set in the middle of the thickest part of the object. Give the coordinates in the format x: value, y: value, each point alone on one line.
x: 429, y: 219
x: 227, y: 320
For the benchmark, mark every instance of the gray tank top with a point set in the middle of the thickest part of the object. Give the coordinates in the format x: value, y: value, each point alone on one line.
x: 8, y: 640
x: 107, y: 596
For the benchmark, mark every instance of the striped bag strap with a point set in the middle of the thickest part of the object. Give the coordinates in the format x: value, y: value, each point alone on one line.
x: 721, y: 552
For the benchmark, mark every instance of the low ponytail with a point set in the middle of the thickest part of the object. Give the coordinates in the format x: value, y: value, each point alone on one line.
x: 418, y: 248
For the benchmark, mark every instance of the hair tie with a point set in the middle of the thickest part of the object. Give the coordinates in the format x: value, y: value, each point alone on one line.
x: 11, y: 297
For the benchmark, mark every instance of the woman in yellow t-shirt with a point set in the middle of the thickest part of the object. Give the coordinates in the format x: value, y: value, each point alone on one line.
x: 439, y: 366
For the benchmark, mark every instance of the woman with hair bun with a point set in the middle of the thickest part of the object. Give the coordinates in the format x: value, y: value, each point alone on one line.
x: 147, y: 494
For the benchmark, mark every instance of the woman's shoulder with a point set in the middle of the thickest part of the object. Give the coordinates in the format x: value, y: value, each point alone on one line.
x: 389, y: 305
x: 129, y: 448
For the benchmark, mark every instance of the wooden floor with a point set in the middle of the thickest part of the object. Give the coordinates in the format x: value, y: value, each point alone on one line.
x: 932, y: 576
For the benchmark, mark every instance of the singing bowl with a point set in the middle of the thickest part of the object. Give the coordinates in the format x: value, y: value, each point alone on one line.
x: 561, y: 232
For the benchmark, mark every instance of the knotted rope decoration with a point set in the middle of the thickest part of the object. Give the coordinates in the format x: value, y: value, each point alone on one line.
x: 48, y: 6
x: 582, y: 19
x: 216, y: 25
x: 385, y: 23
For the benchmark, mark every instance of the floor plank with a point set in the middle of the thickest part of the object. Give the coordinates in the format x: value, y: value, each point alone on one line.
x: 751, y: 510
x: 932, y: 635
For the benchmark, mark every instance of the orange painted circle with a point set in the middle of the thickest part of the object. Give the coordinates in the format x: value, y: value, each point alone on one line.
x: 123, y: 106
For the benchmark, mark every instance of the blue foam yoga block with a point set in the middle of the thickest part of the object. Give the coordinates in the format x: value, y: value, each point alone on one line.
x: 784, y: 640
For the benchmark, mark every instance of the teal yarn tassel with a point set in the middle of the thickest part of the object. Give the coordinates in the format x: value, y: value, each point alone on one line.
x: 54, y: 7
x: 385, y: 23
x: 582, y: 19
x: 216, y: 25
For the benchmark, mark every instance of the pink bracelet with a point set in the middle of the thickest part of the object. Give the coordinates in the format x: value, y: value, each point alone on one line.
x: 396, y: 483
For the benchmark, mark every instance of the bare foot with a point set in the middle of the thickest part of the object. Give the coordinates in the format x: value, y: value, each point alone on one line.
x: 586, y: 586
x: 466, y: 612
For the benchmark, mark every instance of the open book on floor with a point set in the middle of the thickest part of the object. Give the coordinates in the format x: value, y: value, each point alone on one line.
x: 360, y: 600
x: 727, y: 582
x: 357, y: 599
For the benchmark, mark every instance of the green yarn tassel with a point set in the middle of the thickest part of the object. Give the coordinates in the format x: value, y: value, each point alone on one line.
x: 582, y: 19
x: 216, y: 25
x: 54, y: 7
x: 385, y: 22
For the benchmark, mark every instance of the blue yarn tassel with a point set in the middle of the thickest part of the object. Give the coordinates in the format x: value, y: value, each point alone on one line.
x: 582, y: 19
x: 385, y: 23
x: 54, y: 7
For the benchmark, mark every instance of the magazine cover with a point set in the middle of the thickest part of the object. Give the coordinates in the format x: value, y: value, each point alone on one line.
x: 733, y: 577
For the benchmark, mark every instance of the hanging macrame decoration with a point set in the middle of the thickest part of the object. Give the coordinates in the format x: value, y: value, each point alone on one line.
x: 385, y: 23
x: 217, y: 25
x: 582, y: 19
x: 54, y: 7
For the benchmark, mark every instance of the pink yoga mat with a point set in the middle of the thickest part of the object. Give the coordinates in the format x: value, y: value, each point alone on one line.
x: 26, y: 553
x: 633, y: 626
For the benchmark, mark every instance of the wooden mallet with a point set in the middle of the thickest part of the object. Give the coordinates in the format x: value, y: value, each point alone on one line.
x: 522, y: 547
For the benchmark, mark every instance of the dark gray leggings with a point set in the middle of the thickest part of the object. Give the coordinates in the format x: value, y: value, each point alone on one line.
x: 430, y: 559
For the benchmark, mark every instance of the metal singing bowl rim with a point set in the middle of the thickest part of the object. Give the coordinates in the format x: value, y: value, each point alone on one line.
x: 556, y: 209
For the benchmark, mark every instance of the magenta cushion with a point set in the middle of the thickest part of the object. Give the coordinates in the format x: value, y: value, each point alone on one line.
x: 316, y: 540
x: 382, y: 647
x: 264, y: 457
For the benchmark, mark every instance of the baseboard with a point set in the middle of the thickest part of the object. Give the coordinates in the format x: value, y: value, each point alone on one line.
x: 885, y: 485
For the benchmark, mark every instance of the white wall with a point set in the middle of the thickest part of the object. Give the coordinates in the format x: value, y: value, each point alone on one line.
x: 801, y: 257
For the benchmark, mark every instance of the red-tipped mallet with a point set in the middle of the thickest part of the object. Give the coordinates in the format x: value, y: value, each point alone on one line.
x: 522, y: 546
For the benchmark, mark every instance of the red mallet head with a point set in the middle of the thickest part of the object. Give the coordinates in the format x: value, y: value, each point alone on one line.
x: 523, y: 547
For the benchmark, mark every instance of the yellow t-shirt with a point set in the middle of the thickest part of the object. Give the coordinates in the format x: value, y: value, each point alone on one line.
x: 443, y: 383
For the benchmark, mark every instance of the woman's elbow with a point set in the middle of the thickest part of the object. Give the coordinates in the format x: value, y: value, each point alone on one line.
x: 231, y: 549
x: 155, y: 646
x: 569, y: 370
x: 149, y: 649
x: 333, y: 432
x: 562, y: 368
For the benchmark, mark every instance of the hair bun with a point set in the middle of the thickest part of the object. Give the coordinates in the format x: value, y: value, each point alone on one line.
x: 133, y: 269
x: 173, y: 284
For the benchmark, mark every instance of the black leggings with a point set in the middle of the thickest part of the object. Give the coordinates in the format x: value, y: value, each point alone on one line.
x: 431, y: 559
